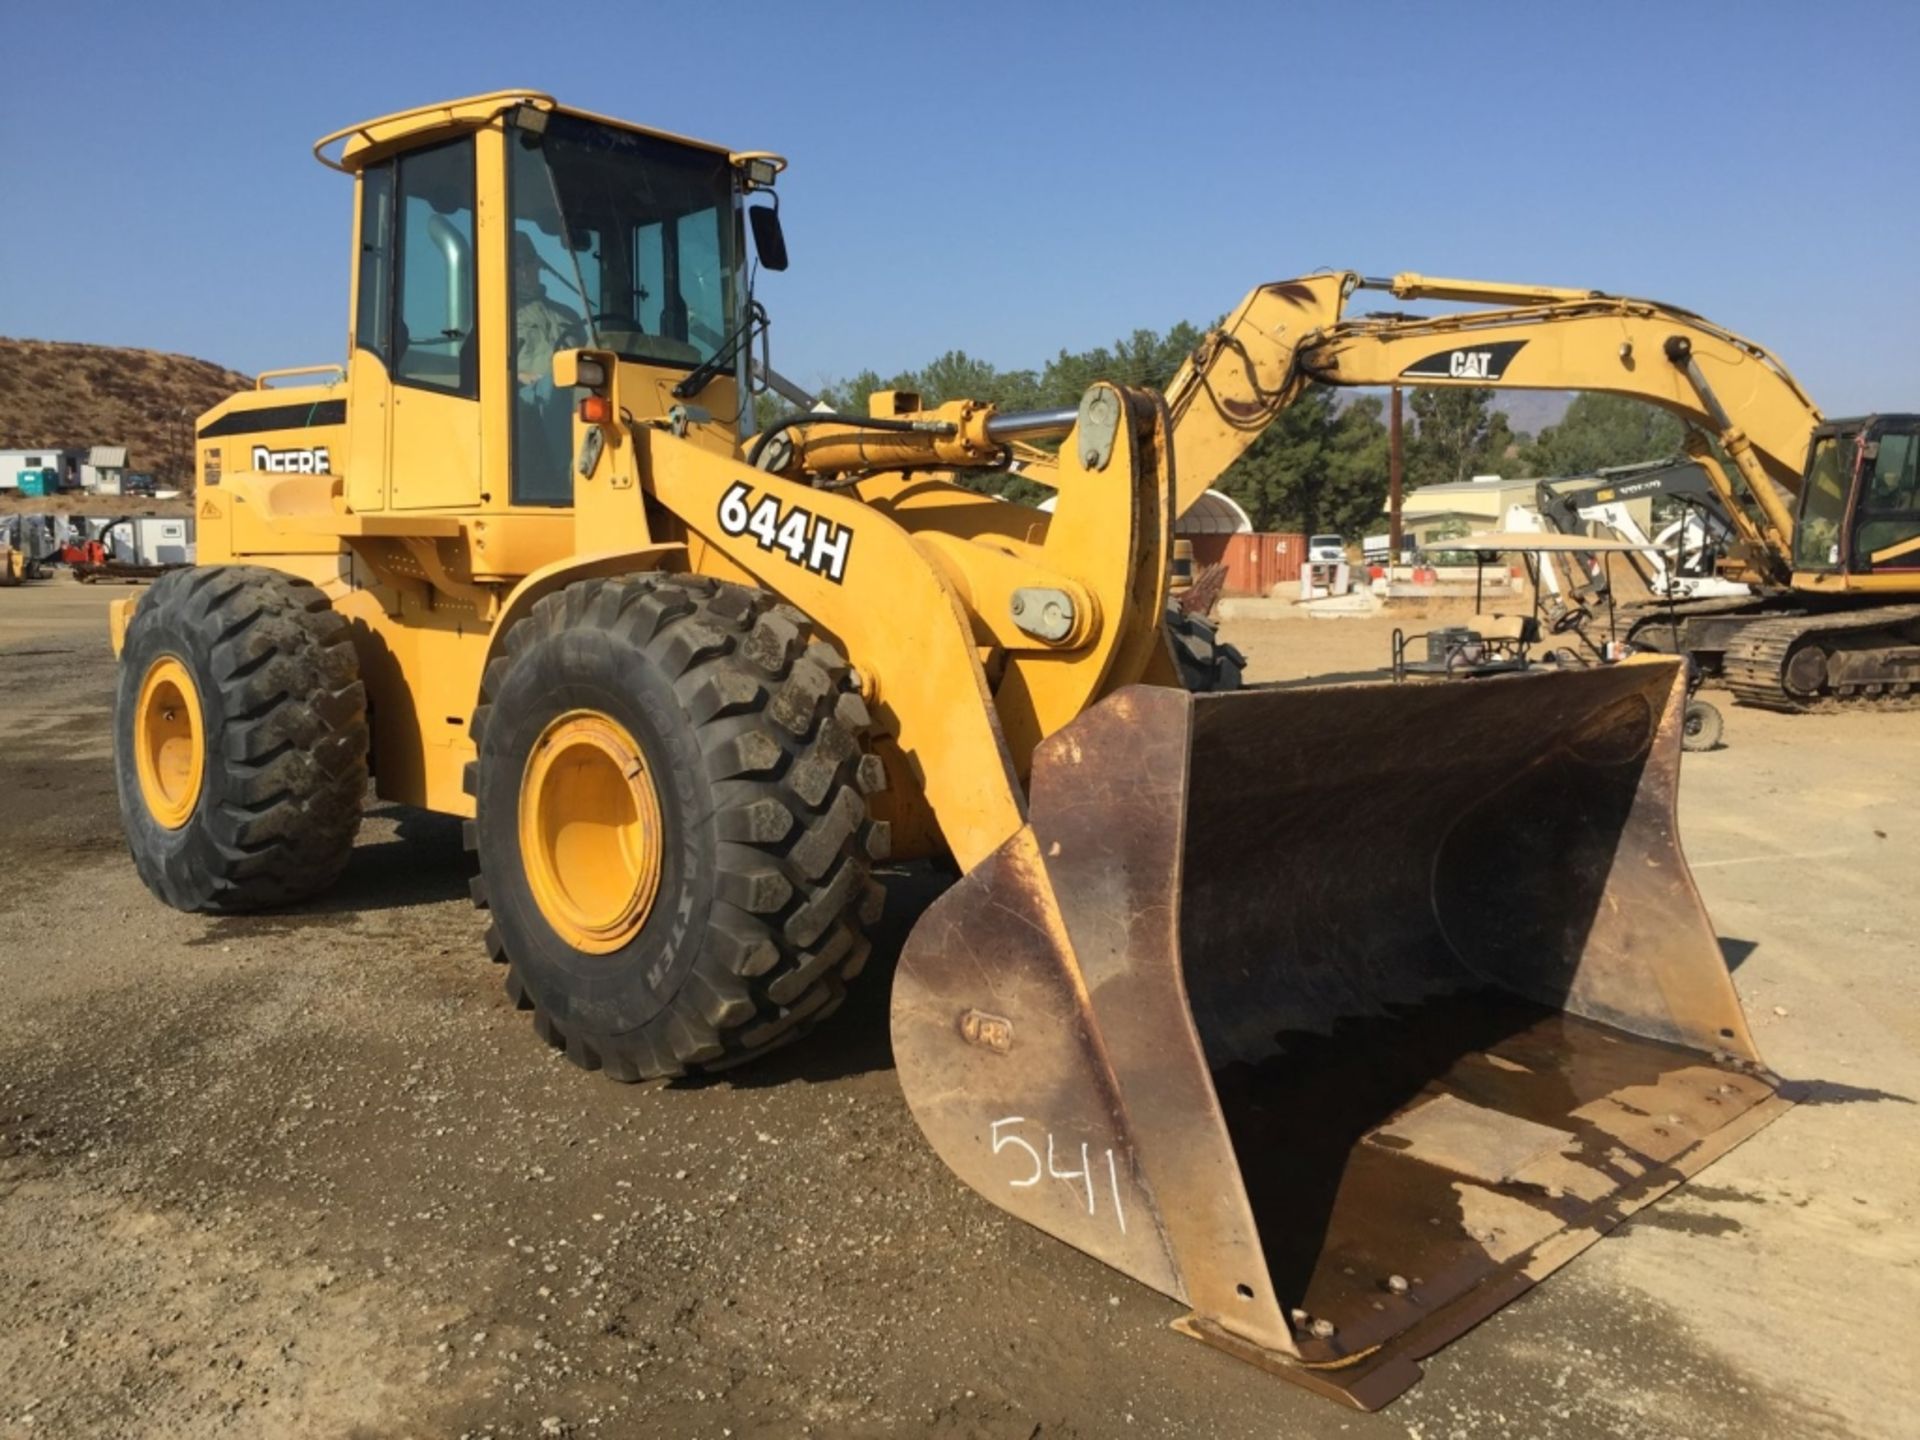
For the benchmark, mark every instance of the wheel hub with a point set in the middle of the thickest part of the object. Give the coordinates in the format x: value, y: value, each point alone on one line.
x: 590, y: 831
x: 1806, y: 671
x: 169, y: 751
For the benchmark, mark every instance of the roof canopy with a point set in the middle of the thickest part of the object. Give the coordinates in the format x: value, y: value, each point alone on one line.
x: 1499, y: 541
x: 1214, y: 514
x: 372, y: 140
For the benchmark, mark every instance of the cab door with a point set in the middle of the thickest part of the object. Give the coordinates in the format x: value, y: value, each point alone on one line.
x: 414, y: 434
x: 1886, y: 530
x: 369, y: 383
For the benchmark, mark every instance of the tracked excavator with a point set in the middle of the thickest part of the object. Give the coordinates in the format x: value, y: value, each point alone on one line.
x: 1826, y: 512
x: 521, y: 559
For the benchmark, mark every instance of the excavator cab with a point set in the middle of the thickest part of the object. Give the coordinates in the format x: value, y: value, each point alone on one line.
x: 1860, y: 505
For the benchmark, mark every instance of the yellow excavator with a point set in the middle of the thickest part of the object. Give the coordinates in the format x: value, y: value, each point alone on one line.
x: 522, y: 559
x: 1827, y: 512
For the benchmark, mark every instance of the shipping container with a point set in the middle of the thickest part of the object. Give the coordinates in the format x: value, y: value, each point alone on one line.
x: 1255, y: 562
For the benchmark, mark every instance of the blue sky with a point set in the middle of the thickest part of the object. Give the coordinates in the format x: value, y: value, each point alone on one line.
x: 1015, y: 179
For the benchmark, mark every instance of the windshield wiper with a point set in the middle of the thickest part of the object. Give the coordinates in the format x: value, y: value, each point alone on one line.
x: 702, y: 375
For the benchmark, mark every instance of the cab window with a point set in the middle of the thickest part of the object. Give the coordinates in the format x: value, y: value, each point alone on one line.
x: 416, y: 304
x: 621, y: 241
x: 552, y: 290
x: 1823, y: 503
x: 1889, y: 504
x: 373, y: 321
x: 434, y: 335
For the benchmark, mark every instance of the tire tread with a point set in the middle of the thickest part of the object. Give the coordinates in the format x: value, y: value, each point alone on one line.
x: 782, y: 727
x: 288, y: 757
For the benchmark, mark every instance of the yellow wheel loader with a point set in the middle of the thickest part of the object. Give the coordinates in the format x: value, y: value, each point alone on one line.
x: 1343, y: 1090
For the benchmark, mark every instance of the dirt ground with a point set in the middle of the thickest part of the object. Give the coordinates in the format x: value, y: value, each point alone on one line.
x: 309, y: 1174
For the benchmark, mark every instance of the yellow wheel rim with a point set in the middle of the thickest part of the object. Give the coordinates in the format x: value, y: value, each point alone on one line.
x: 590, y: 831
x: 169, y: 743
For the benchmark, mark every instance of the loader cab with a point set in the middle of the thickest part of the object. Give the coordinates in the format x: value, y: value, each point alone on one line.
x: 495, y: 233
x: 1859, y: 511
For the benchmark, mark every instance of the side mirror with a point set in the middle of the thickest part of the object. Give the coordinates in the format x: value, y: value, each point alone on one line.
x: 768, y: 240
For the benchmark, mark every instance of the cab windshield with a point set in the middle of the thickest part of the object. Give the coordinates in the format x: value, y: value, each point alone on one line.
x: 1823, y: 503
x: 621, y: 241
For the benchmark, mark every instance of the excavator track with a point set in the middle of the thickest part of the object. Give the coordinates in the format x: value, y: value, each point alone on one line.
x: 1759, y: 658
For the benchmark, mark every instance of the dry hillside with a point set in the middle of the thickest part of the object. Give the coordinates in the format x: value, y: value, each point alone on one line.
x: 56, y: 393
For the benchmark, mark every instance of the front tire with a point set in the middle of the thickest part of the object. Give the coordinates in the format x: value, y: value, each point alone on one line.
x: 1701, y: 726
x: 240, y: 739
x: 672, y: 823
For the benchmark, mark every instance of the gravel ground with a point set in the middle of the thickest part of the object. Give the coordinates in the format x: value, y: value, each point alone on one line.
x: 310, y: 1174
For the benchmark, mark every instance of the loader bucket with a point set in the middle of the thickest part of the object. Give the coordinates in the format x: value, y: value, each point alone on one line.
x: 1341, y: 1015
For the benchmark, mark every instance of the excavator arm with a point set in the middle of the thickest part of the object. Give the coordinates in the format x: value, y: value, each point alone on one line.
x: 1283, y: 336
x: 1716, y: 382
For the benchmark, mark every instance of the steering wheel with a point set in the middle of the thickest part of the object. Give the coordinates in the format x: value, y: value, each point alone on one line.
x: 579, y: 332
x: 1465, y: 659
x: 1569, y: 620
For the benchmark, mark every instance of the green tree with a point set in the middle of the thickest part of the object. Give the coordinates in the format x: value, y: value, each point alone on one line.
x: 1602, y: 430
x: 1143, y: 358
x: 1317, y: 468
x: 1457, y: 435
x: 1280, y: 479
x: 1357, y: 462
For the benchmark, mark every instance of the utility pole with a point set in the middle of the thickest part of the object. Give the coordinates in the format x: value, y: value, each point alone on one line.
x: 1396, y: 462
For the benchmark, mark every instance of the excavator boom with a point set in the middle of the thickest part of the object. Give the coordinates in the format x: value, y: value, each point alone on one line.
x: 1282, y: 336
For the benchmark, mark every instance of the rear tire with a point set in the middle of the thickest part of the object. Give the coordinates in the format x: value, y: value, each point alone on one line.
x: 1206, y: 663
x: 1702, y: 727
x: 744, y: 879
x: 240, y: 739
